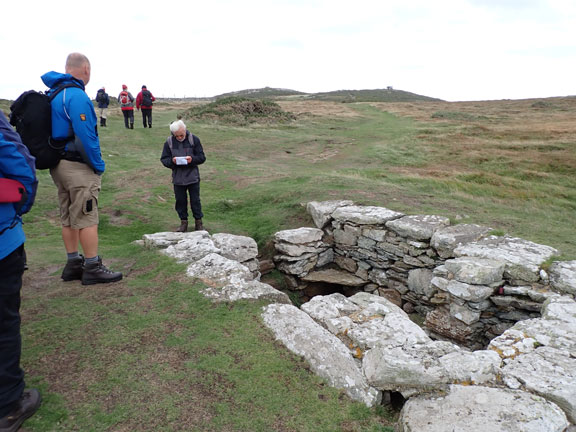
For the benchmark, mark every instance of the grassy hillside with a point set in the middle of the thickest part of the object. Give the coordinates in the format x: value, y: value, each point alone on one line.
x: 150, y: 353
x: 377, y: 95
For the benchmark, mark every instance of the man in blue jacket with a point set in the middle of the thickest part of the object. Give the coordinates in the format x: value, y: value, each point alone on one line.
x: 16, y: 403
x: 78, y: 175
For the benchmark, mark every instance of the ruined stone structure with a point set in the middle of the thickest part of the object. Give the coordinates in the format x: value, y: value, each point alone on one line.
x: 471, y: 286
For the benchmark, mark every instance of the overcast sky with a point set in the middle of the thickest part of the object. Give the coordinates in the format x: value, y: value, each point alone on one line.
x: 454, y: 50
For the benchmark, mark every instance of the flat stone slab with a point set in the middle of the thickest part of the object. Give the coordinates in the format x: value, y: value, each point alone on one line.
x: 483, y: 409
x: 236, y: 247
x: 418, y: 227
x: 336, y: 277
x: 479, y: 271
x: 540, y: 354
x: 523, y: 258
x: 563, y: 276
x: 215, y: 270
x: 365, y: 215
x: 252, y: 290
x: 299, y: 235
x: 446, y: 239
x: 191, y: 248
x: 321, y: 211
x: 432, y: 365
x: 327, y: 356
x: 161, y: 240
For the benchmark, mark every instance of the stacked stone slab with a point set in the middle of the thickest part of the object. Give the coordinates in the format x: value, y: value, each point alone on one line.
x: 226, y: 263
x: 470, y: 285
x: 369, y: 347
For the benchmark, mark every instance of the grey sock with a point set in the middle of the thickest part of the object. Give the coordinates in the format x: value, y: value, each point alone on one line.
x: 92, y: 260
x: 73, y: 255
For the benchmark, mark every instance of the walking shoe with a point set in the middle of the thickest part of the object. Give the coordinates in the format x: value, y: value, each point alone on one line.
x: 26, y: 406
x: 198, y: 225
x: 183, y: 226
x: 98, y: 273
x: 73, y: 269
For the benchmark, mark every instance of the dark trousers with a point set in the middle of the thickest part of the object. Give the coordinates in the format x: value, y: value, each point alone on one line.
x: 128, y: 117
x: 11, y: 375
x: 147, y: 116
x: 181, y: 193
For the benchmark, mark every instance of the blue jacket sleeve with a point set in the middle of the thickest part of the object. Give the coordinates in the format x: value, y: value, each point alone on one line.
x: 84, y: 122
x: 16, y: 162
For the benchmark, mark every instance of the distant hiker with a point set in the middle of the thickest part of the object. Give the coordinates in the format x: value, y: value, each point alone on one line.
x: 16, y: 166
x: 103, y: 101
x: 126, y: 101
x: 78, y: 175
x: 144, y: 101
x: 182, y: 153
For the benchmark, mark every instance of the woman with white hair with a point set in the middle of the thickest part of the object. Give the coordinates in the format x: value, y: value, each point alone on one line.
x: 182, y: 153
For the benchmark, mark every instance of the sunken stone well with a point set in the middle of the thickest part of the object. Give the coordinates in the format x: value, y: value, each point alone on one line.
x: 469, y: 284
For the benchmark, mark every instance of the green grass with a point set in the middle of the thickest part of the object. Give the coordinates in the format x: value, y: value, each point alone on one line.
x: 150, y: 353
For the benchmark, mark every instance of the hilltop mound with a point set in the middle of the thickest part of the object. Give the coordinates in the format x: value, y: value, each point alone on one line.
x: 240, y: 111
x: 375, y: 95
x: 262, y: 93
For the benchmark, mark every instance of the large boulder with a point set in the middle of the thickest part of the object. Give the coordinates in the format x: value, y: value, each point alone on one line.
x: 483, y: 409
x: 192, y: 248
x: 217, y: 271
x: 236, y: 247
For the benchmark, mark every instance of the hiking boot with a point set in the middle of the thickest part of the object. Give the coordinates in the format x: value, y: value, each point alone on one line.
x: 73, y: 269
x: 26, y: 406
x: 98, y: 273
x: 198, y: 225
x: 183, y: 226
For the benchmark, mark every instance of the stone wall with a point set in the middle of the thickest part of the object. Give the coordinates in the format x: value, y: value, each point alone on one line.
x: 525, y: 379
x: 470, y: 285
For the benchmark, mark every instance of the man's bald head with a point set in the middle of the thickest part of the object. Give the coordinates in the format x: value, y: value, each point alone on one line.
x: 78, y: 66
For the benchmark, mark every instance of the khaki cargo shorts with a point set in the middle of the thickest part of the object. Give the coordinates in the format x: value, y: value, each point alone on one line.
x: 78, y: 188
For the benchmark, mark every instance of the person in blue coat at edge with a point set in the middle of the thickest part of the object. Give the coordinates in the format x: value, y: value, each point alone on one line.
x: 16, y: 403
x: 78, y: 175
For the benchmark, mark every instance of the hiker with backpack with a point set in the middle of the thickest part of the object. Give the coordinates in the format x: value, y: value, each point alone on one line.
x: 182, y: 153
x: 144, y: 101
x: 103, y: 101
x: 126, y: 101
x: 78, y: 175
x: 16, y: 167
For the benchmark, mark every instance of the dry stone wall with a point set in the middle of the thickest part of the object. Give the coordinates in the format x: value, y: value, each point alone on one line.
x: 470, y: 285
x: 367, y: 345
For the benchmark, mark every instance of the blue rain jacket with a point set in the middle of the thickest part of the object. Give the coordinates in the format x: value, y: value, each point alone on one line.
x: 73, y: 115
